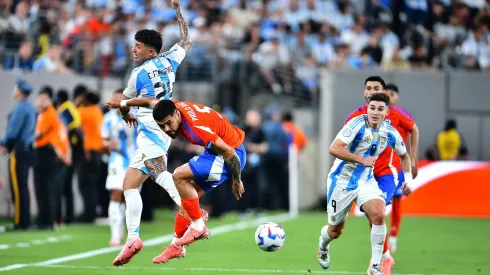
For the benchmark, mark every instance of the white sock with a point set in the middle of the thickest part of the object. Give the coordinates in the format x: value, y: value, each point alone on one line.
x: 165, y: 180
x: 134, y: 207
x: 386, y: 255
x: 378, y: 235
x: 115, y: 220
x: 174, y: 239
x: 325, y: 239
x: 197, y: 224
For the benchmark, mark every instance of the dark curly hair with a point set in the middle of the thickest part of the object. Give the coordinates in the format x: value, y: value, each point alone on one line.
x: 150, y: 38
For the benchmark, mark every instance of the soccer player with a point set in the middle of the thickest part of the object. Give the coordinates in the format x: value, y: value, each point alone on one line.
x: 396, y: 212
x: 120, y: 141
x: 153, y: 79
x: 387, y: 171
x: 224, y: 158
x: 356, y: 148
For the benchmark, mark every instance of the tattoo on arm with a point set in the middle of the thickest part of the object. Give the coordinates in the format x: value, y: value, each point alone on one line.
x: 156, y: 166
x: 234, y: 166
x: 186, y: 41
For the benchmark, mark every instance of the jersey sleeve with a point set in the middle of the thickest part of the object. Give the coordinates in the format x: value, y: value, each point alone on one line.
x: 130, y: 90
x: 207, y: 136
x: 350, y: 129
x: 175, y: 56
x: 352, y: 115
x: 406, y: 122
x: 395, y: 140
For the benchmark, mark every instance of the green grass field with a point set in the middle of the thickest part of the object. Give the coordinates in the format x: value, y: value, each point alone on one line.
x: 426, y: 246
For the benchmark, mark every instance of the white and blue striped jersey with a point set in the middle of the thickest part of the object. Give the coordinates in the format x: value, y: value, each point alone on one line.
x: 155, y: 78
x: 363, y: 141
x: 115, y: 128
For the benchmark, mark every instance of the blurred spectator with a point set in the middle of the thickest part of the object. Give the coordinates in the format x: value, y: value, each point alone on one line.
x: 22, y: 60
x: 18, y: 141
x: 450, y: 142
x: 296, y: 134
x: 52, y: 61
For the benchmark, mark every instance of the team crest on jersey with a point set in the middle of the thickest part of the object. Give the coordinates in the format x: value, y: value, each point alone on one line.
x: 347, y: 132
x: 367, y: 138
x: 383, y: 141
x: 144, y: 91
x: 388, y: 121
x: 143, y: 156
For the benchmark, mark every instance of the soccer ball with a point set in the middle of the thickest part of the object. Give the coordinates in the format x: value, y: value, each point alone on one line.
x: 270, y: 236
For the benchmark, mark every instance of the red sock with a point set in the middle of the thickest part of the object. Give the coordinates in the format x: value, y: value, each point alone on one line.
x: 192, y: 208
x: 180, y: 225
x: 385, y: 247
x: 396, y: 217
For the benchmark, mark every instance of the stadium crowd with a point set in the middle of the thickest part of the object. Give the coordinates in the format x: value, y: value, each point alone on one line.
x: 283, y: 38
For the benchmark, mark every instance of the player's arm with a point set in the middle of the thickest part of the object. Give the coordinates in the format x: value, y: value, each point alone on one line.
x: 233, y: 163
x: 185, y: 37
x: 414, y: 148
x: 338, y: 150
x: 396, y: 141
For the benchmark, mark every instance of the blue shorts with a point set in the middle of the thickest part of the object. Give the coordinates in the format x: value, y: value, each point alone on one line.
x: 390, y: 186
x: 210, y: 169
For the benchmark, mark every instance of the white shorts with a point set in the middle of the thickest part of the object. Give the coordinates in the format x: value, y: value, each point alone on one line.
x: 340, y: 200
x: 152, y: 143
x: 115, y: 178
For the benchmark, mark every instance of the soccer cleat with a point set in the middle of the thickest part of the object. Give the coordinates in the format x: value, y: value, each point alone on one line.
x: 127, y: 253
x: 192, y: 235
x: 171, y: 252
x: 375, y: 270
x: 324, y: 256
x: 204, y: 215
x: 386, y: 265
x: 114, y: 243
x: 392, y: 244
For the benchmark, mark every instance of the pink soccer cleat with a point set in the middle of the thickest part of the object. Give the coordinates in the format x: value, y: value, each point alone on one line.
x: 127, y: 253
x: 204, y: 215
x: 171, y: 252
x: 386, y: 265
x: 192, y: 235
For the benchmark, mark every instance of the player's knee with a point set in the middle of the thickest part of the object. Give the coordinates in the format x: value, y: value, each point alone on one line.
x: 377, y: 217
x: 335, y: 233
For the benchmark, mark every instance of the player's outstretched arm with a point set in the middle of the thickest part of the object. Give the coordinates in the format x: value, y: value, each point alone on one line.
x: 233, y: 163
x: 338, y: 150
x: 185, y: 37
x: 406, y: 167
x: 133, y: 102
x: 414, y: 148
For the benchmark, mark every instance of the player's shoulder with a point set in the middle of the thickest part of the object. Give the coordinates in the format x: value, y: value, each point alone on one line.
x: 175, y: 48
x: 357, y: 121
x: 358, y: 111
x: 387, y: 127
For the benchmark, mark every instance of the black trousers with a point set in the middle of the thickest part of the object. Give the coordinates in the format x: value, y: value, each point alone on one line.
x: 67, y: 192
x: 46, y: 185
x: 252, y: 182
x: 275, y: 167
x: 20, y: 162
x: 88, y: 181
x: 59, y: 178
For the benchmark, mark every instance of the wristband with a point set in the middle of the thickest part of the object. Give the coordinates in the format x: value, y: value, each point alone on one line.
x: 408, y: 176
x: 124, y: 103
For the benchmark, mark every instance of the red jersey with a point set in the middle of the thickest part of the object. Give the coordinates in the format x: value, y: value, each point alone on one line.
x: 388, y: 160
x: 202, y: 125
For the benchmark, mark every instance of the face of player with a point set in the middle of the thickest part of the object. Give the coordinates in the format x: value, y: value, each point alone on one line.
x: 372, y: 87
x: 141, y: 52
x: 377, y: 111
x: 170, y: 124
x: 393, y: 97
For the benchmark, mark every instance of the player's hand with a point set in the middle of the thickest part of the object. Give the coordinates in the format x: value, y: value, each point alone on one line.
x: 415, y: 170
x: 130, y: 120
x: 114, y: 103
x: 368, y: 162
x: 176, y: 4
x: 406, y: 189
x: 237, y: 189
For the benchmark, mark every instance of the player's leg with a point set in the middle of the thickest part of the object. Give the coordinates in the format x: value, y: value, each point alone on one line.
x: 339, y: 204
x: 372, y: 201
x: 396, y: 214
x: 157, y: 170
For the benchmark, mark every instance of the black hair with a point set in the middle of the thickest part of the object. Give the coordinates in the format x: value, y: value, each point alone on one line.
x: 46, y: 89
x: 79, y: 90
x: 163, y: 109
x: 375, y: 79
x: 93, y: 98
x: 382, y: 97
x: 62, y: 95
x: 287, y: 116
x: 391, y: 86
x: 150, y: 38
x: 450, y: 124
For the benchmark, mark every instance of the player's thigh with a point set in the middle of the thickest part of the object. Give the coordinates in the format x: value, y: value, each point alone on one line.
x: 398, y: 190
x: 371, y: 200
x: 184, y: 174
x: 133, y: 178
x: 339, y: 204
x: 156, y: 166
x: 387, y: 185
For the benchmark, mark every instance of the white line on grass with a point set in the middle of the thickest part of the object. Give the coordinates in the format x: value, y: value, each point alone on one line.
x: 153, y: 242
x: 230, y: 270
